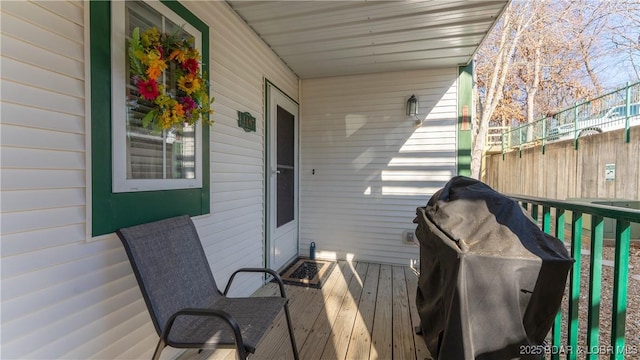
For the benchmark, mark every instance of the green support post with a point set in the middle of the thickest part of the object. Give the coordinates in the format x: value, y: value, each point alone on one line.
x: 595, y: 278
x: 620, y: 278
x: 465, y: 118
x: 574, y: 286
x: 534, y: 213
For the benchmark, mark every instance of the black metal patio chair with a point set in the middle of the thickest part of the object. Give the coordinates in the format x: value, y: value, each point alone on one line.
x: 186, y: 306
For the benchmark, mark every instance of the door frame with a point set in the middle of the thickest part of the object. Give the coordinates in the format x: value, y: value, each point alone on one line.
x: 268, y: 168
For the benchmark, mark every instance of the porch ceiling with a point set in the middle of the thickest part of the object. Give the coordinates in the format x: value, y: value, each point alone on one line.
x: 329, y: 38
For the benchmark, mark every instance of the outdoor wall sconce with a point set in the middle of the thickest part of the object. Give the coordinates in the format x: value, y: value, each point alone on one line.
x: 412, y: 106
x: 412, y: 109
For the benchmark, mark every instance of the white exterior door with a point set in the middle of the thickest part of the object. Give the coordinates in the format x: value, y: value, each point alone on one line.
x: 282, y: 179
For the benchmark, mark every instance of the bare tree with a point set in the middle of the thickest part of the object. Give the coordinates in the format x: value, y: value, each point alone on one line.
x: 625, y: 32
x: 536, y: 45
x: 506, y: 38
x: 544, y: 56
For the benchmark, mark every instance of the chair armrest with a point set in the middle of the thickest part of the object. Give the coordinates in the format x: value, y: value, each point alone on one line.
x: 257, y: 270
x: 225, y: 316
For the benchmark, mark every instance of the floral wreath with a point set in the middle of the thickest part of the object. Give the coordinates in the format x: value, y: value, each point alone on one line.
x: 150, y: 55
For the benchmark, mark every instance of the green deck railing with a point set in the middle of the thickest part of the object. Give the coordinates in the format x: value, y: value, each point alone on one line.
x: 555, y: 211
x: 619, y: 109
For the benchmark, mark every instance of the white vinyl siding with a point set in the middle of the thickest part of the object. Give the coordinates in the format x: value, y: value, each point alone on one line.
x: 233, y: 236
x: 373, y: 167
x: 64, y: 297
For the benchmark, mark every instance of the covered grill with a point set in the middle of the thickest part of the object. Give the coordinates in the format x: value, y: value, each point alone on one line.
x: 491, y: 282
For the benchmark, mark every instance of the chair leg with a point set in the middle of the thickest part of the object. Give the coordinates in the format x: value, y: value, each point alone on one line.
x: 241, y: 354
x: 161, y: 345
x: 291, y: 335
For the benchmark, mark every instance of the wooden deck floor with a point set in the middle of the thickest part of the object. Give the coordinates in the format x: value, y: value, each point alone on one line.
x: 363, y: 311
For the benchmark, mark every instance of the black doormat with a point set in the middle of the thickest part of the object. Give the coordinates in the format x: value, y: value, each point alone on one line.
x: 307, y: 272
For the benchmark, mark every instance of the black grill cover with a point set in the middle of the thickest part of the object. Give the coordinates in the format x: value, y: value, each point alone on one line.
x: 491, y: 282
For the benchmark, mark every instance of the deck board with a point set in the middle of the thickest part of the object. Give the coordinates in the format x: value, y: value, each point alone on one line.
x: 318, y: 338
x: 360, y: 344
x: 382, y: 339
x: 363, y: 311
x: 412, y: 288
x: 338, y: 342
x: 403, y: 347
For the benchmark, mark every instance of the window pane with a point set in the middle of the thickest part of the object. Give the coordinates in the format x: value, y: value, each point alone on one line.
x: 285, y: 166
x: 150, y: 154
x: 286, y: 196
x: 180, y: 155
x: 285, y: 137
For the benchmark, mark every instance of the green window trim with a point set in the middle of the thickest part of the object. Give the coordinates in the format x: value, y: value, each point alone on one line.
x: 111, y: 211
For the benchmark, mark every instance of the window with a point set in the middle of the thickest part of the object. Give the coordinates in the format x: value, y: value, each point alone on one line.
x: 144, y: 159
x: 141, y: 175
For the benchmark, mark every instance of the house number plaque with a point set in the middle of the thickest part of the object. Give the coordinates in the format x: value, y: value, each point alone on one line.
x: 246, y: 121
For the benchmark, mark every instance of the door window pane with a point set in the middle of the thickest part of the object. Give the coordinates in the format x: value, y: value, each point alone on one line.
x: 286, y: 166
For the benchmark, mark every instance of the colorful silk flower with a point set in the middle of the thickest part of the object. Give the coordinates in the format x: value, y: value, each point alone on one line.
x: 157, y: 59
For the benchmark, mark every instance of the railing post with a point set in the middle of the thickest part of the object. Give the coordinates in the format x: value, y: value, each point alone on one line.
x: 627, y: 132
x: 546, y: 219
x: 560, y: 224
x: 520, y: 140
x: 502, y: 143
x: 544, y: 134
x: 575, y: 126
x: 534, y: 213
x: 574, y: 285
x: 556, y: 331
x: 595, y: 277
x: 620, y: 278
